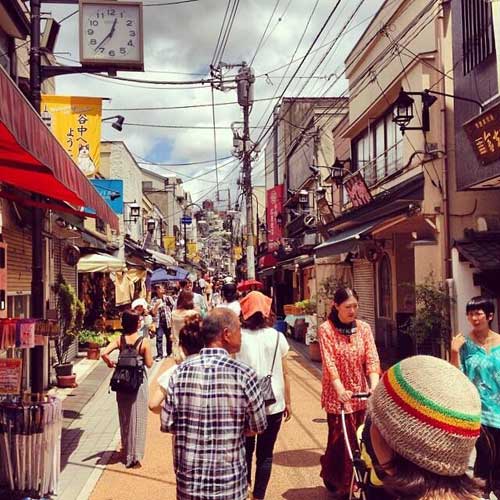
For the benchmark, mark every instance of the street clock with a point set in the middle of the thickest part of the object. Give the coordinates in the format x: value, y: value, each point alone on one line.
x: 111, y: 34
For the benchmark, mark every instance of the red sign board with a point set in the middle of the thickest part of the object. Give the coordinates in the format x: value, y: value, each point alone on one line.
x: 274, y: 204
x: 483, y: 132
x: 358, y: 191
x: 10, y: 376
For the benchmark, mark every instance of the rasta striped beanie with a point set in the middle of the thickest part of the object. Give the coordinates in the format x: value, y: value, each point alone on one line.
x: 429, y: 413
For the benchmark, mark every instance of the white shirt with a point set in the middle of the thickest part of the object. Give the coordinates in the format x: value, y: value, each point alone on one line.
x: 234, y: 306
x: 257, y: 351
x: 164, y: 378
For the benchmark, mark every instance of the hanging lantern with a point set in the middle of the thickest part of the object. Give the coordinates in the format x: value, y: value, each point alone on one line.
x: 403, y: 109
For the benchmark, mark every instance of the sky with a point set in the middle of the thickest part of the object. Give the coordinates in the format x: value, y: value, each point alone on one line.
x: 179, y: 45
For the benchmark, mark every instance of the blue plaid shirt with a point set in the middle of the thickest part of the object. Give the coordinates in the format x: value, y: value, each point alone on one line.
x: 212, y: 401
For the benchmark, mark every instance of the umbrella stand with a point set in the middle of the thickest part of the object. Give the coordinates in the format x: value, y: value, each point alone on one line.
x: 30, y: 435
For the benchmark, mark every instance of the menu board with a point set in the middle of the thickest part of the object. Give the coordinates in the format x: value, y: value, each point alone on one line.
x: 10, y: 376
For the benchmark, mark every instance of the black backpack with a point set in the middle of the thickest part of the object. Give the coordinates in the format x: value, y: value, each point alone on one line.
x: 129, y: 372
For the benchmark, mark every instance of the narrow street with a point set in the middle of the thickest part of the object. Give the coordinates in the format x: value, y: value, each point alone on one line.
x: 91, y: 462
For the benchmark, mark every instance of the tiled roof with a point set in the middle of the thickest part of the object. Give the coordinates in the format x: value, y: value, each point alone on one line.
x: 481, y: 253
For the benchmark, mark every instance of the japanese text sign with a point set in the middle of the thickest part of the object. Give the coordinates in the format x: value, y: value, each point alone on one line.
x: 274, y: 208
x: 10, y: 376
x: 76, y: 123
x: 483, y: 132
x: 358, y: 191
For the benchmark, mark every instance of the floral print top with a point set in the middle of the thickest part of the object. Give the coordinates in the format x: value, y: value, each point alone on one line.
x: 351, y: 358
x: 483, y: 369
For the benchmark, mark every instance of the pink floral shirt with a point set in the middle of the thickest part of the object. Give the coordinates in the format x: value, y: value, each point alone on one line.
x: 351, y: 358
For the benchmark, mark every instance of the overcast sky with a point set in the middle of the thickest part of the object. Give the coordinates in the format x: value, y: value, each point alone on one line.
x: 179, y: 45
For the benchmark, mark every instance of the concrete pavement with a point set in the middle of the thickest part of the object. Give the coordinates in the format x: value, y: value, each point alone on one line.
x: 296, y: 461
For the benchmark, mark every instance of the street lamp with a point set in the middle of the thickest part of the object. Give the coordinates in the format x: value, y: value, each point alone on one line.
x: 118, y: 123
x: 151, y: 225
x: 338, y: 171
x: 134, y: 211
x: 403, y: 109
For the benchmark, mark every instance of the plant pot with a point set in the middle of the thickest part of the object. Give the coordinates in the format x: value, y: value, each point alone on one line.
x: 64, y: 369
x: 66, y: 381
x: 93, y: 353
x: 314, y: 352
x: 92, y: 345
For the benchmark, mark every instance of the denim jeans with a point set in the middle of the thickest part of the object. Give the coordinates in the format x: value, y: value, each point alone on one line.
x: 265, y: 446
x: 160, y: 332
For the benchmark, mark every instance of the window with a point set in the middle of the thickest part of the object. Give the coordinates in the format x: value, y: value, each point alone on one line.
x: 385, y: 287
x: 477, y: 32
x: 378, y: 151
x: 18, y: 306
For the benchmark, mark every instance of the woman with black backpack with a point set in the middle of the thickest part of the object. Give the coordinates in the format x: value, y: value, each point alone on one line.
x: 130, y: 383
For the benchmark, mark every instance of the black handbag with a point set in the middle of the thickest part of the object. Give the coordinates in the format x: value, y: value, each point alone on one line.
x: 265, y: 382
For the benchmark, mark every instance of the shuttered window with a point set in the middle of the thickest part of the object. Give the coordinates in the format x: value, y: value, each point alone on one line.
x: 477, y: 32
x: 364, y: 279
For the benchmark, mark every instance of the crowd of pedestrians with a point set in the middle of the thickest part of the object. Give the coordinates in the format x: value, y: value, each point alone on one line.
x: 227, y: 394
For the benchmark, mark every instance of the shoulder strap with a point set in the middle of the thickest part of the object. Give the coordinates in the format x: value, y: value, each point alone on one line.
x: 275, y: 350
x: 137, y: 343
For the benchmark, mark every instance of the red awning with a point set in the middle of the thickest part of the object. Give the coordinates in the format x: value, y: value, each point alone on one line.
x: 31, y: 158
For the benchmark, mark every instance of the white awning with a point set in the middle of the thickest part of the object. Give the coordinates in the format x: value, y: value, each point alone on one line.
x: 162, y: 259
x: 100, y: 263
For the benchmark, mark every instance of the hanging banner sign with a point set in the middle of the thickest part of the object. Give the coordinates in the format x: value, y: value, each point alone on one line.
x: 358, y: 191
x: 169, y: 244
x: 273, y: 212
x: 10, y: 376
x: 76, y: 123
x: 192, y: 250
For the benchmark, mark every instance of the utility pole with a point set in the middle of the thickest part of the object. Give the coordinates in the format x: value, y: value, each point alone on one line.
x: 37, y: 288
x: 245, y: 80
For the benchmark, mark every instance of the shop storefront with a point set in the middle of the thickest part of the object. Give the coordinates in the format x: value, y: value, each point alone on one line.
x: 36, y: 172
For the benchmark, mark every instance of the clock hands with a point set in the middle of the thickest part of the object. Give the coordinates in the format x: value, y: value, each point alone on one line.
x: 109, y: 35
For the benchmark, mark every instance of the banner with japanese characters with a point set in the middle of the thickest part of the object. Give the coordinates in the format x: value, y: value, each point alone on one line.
x: 76, y: 123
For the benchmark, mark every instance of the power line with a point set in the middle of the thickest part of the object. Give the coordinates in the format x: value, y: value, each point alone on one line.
x: 168, y: 3
x: 188, y: 106
x: 229, y: 28
x: 259, y: 45
x: 185, y: 164
x: 220, y: 34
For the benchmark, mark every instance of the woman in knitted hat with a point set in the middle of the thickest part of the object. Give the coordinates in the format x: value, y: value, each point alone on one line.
x: 264, y: 349
x: 478, y: 355
x: 350, y: 365
x: 424, y: 418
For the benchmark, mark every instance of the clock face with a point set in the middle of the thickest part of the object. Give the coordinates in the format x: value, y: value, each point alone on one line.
x: 111, y: 34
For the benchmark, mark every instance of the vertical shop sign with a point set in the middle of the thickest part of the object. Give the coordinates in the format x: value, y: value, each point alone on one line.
x: 76, y: 123
x: 275, y: 206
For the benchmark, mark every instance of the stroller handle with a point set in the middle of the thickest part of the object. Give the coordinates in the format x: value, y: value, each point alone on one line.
x: 361, y: 395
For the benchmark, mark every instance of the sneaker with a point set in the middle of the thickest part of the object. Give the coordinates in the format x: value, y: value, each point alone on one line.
x: 158, y: 358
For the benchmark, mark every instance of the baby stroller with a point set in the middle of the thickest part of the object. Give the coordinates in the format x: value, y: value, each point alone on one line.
x: 365, y: 485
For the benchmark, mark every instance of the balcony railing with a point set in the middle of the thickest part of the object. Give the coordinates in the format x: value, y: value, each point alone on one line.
x: 379, y: 168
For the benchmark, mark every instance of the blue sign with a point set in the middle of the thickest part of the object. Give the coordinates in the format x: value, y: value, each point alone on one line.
x: 186, y: 220
x: 112, y: 192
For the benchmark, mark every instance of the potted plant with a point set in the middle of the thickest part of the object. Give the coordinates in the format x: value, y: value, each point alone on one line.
x: 94, y: 341
x: 430, y: 329
x: 70, y: 313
